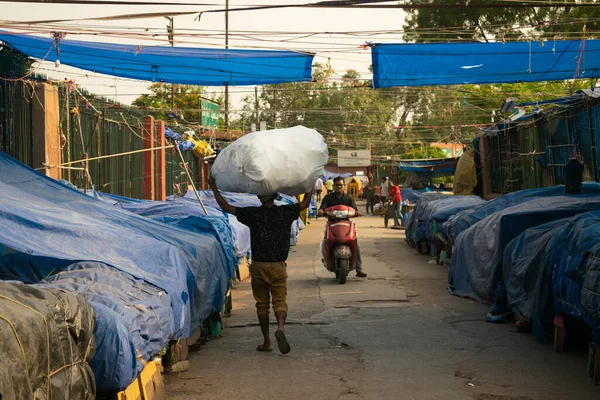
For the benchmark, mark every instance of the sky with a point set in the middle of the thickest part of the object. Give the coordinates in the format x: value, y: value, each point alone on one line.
x: 343, y: 50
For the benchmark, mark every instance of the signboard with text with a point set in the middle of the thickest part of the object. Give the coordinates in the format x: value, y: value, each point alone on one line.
x: 354, y: 158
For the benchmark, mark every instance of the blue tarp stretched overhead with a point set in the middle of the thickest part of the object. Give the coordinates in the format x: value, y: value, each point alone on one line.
x: 462, y: 221
x: 181, y: 65
x: 426, y: 64
x: 441, y: 165
x: 48, y: 226
x: 133, y: 320
x: 476, y: 267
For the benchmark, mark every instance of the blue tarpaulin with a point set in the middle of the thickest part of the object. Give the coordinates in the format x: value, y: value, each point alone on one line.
x: 48, y: 226
x: 463, y: 220
x: 527, y: 273
x: 426, y: 64
x: 576, y: 283
x: 441, y: 165
x: 181, y: 65
x: 133, y: 320
x: 477, y: 260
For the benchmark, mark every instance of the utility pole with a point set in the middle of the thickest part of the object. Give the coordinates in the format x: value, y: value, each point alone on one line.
x: 275, y: 108
x: 256, y: 105
x: 226, y: 46
x: 171, y: 33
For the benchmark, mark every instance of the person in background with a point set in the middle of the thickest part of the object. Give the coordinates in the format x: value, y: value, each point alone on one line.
x: 396, y: 198
x: 270, y: 227
x: 340, y: 197
x: 318, y: 189
x: 329, y: 185
x: 384, y: 192
x: 369, y: 193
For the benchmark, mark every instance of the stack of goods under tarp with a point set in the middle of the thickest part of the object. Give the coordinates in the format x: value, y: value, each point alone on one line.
x: 48, y: 227
x: 465, y: 219
x: 133, y: 319
x: 553, y: 270
x: 414, y: 229
x: 477, y: 259
x: 46, y: 342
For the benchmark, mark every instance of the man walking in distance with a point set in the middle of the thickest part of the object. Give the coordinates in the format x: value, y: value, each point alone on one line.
x: 385, y: 187
x: 318, y: 189
x: 369, y: 193
x: 270, y: 227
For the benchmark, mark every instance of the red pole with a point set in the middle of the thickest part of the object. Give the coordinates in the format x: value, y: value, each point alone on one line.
x: 148, y: 163
x: 161, y: 164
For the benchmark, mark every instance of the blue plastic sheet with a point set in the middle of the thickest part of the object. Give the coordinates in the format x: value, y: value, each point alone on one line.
x: 462, y: 221
x: 328, y: 174
x: 576, y: 283
x: 132, y: 318
x: 527, y: 269
x: 185, y: 214
x: 414, y: 228
x: 181, y: 65
x: 444, y: 165
x: 476, y: 267
x: 426, y: 64
x: 48, y: 226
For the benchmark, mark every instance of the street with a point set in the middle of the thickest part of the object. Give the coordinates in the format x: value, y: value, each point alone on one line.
x: 398, y: 334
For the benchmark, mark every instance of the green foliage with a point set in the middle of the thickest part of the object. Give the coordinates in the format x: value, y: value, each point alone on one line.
x: 443, y: 24
x: 427, y: 152
x: 186, y: 100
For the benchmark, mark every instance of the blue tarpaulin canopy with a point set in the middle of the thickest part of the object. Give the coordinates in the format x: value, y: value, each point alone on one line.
x: 441, y: 165
x: 181, y: 65
x: 476, y: 63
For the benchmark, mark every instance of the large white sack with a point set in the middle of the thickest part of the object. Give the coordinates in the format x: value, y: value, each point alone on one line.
x: 285, y: 161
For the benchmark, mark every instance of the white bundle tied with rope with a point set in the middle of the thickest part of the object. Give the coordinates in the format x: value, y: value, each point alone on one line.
x: 287, y: 161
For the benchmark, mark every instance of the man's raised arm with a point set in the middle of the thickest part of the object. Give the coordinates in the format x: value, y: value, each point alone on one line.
x: 225, y: 206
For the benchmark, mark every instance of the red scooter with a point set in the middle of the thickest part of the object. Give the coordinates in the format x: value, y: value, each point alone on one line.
x: 339, y: 249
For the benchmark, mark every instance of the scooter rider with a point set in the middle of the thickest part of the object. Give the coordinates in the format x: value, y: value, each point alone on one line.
x: 340, y: 197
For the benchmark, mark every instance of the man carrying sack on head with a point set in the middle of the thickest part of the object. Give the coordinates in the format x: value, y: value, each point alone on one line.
x: 270, y: 227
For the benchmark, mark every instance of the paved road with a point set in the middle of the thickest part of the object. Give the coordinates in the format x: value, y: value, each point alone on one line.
x: 397, y: 335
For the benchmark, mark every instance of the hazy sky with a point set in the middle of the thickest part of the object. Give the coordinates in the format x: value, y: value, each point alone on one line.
x: 342, y: 49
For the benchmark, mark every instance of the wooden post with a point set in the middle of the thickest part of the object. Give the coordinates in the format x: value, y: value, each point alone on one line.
x: 161, y: 164
x: 559, y: 334
x: 597, y: 365
x: 45, y: 123
x: 148, y: 163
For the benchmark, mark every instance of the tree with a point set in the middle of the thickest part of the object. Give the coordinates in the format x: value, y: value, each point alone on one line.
x: 483, y: 24
x: 186, y: 100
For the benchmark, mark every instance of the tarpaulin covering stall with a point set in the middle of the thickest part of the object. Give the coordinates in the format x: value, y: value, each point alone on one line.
x: 447, y: 208
x: 48, y: 226
x: 181, y: 65
x: 46, y: 342
x: 576, y: 283
x: 476, y: 267
x: 462, y: 221
x: 413, y: 223
x: 133, y: 320
x: 424, y: 64
x: 186, y: 214
x: 528, y: 268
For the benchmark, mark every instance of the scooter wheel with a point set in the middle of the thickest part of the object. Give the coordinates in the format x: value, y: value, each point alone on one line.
x: 342, y: 271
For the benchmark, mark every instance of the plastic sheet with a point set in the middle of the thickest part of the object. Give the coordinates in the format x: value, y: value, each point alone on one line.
x: 134, y: 320
x: 46, y: 344
x: 477, y: 259
x: 576, y: 283
x: 48, y: 226
x: 527, y: 269
x: 465, y: 178
x: 286, y: 161
x: 466, y: 219
x: 413, y: 225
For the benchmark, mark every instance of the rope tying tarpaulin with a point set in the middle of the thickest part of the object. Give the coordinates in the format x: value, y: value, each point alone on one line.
x: 179, y: 65
x: 478, y: 63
